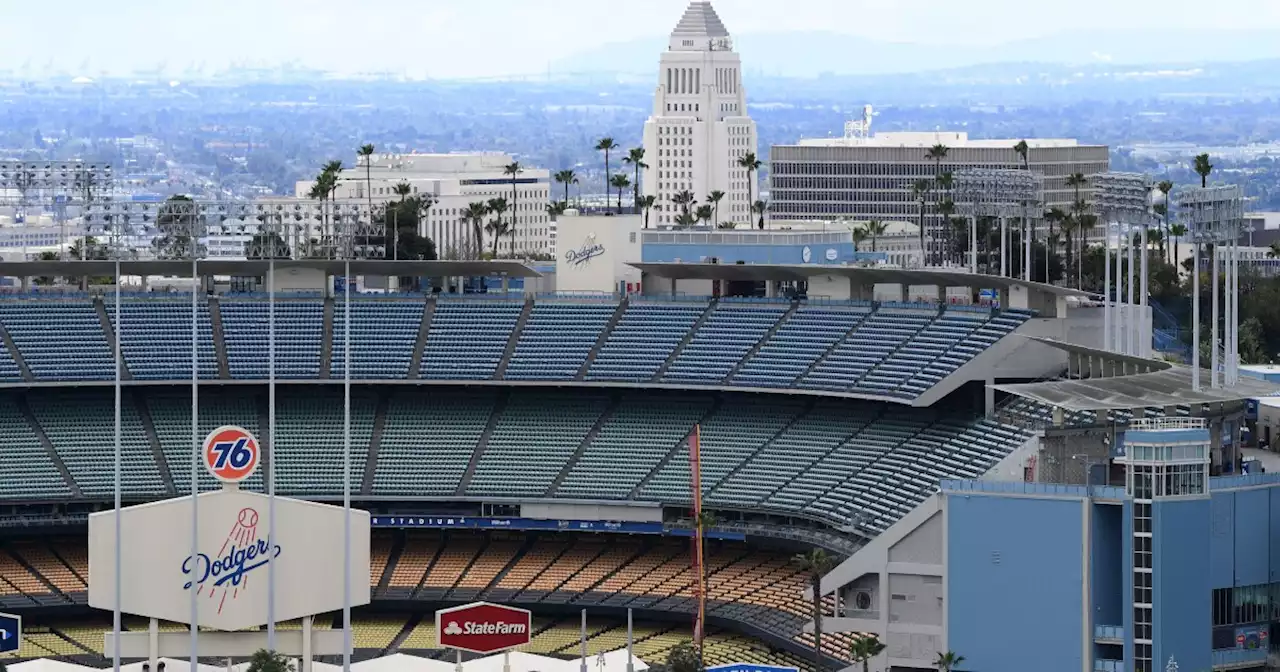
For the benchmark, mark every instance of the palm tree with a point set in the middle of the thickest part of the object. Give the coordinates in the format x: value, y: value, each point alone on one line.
x: 749, y: 162
x: 566, y: 177
x: 684, y: 200
x: 1078, y: 206
x: 875, y: 228
x: 475, y: 214
x: 948, y: 661
x: 863, y: 649
x: 1053, y: 216
x: 1273, y: 251
x: 555, y: 209
x: 635, y: 158
x: 1203, y: 168
x: 816, y: 563
x: 860, y: 235
x: 402, y: 190
x: 366, y: 156
x: 760, y: 207
x: 620, y: 182
x: 704, y: 213
x: 919, y: 192
x: 1177, y: 231
x: 513, y: 169
x: 606, y: 145
x: 1069, y: 227
x: 1022, y: 149
x: 714, y: 199
x: 1165, y: 186
x: 497, y: 226
x: 646, y: 204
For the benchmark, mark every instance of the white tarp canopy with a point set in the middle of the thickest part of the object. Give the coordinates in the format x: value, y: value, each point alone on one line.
x: 48, y: 665
x: 401, y: 662
x: 171, y: 665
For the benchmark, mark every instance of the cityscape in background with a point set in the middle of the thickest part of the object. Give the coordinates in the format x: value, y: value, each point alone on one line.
x: 782, y: 350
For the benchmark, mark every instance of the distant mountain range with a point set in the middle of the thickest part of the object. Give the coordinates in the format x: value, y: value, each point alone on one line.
x: 811, y: 54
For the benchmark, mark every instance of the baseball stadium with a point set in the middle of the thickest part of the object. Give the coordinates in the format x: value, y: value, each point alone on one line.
x: 952, y: 473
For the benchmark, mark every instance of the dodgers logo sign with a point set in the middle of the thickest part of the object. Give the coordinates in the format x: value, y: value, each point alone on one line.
x: 10, y: 632
x: 231, y: 454
x: 590, y: 250
x: 225, y: 574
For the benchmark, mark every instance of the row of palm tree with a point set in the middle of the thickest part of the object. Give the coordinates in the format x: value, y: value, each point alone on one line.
x: 871, y: 230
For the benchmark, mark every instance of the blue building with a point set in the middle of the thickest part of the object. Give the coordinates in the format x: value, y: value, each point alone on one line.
x: 1172, y: 566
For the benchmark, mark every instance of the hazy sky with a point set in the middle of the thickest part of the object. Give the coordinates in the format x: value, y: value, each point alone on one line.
x: 476, y: 38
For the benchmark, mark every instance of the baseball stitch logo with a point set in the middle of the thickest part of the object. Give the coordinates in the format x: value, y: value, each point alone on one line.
x: 227, y: 573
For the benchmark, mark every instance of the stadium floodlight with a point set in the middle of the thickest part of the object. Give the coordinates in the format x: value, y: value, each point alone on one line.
x: 1001, y: 194
x: 1123, y: 201
x: 54, y: 186
x: 1215, y: 216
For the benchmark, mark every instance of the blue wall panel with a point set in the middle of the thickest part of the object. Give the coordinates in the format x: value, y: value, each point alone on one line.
x: 1222, y: 563
x: 1182, y: 592
x: 1109, y: 565
x: 1015, y: 568
x: 1253, y: 547
x: 1273, y: 532
x: 1126, y: 600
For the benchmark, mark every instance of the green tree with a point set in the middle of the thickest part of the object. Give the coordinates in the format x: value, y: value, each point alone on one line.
x: 863, y: 649
x: 366, y: 157
x: 635, y: 158
x: 646, y: 204
x: 760, y: 207
x: 1203, y: 168
x: 566, y: 177
x: 948, y: 661
x: 1054, y: 216
x: 620, y: 182
x: 1165, y: 188
x: 606, y: 145
x: 1076, y: 182
x: 714, y: 199
x: 497, y: 226
x: 684, y: 200
x: 401, y: 224
x: 1023, y: 150
x: 704, y: 213
x: 875, y: 228
x: 683, y: 658
x: 860, y: 236
x: 513, y: 170
x: 474, y: 215
x: 88, y: 248
x: 816, y: 563
x: 920, y: 194
x: 1177, y: 231
x: 751, y: 164
x: 269, y: 661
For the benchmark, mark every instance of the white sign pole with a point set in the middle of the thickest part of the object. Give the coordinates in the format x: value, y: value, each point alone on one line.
x: 115, y: 612
x: 271, y: 444
x: 346, y: 467
x: 631, y: 666
x: 195, y: 454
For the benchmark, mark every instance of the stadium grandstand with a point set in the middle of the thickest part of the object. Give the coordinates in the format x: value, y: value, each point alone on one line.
x: 534, y: 449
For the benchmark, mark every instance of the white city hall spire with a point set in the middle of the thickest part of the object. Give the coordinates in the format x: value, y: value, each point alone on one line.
x: 699, y: 128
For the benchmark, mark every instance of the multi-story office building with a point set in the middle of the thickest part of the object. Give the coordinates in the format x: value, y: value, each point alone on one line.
x: 699, y: 129
x: 866, y: 177
x: 454, y: 181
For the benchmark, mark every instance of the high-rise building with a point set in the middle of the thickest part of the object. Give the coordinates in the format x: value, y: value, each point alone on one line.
x: 699, y: 129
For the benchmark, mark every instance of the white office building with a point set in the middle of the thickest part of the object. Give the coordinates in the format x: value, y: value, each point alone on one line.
x: 862, y: 176
x: 455, y: 181
x: 699, y: 128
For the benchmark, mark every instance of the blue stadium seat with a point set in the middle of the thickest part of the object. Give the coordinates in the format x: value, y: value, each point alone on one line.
x: 59, y: 340
x: 556, y: 340
x: 383, y: 333
x: 298, y: 325
x: 644, y: 338
x: 467, y: 339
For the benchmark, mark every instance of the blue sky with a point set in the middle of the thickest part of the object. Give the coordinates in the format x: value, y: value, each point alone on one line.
x: 479, y: 38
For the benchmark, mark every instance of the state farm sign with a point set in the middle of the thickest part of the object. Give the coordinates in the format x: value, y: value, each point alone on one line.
x: 481, y: 627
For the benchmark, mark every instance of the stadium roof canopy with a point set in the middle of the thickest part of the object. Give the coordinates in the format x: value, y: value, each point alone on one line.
x: 870, y: 276
x: 258, y: 267
x: 1163, y: 384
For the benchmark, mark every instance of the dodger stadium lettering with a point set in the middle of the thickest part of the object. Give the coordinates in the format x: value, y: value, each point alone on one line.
x: 226, y: 572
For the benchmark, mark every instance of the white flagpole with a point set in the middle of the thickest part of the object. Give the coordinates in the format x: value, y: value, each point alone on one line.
x: 271, y: 441
x: 584, y: 640
x: 346, y: 466
x: 195, y: 446
x: 630, y: 644
x: 115, y: 612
